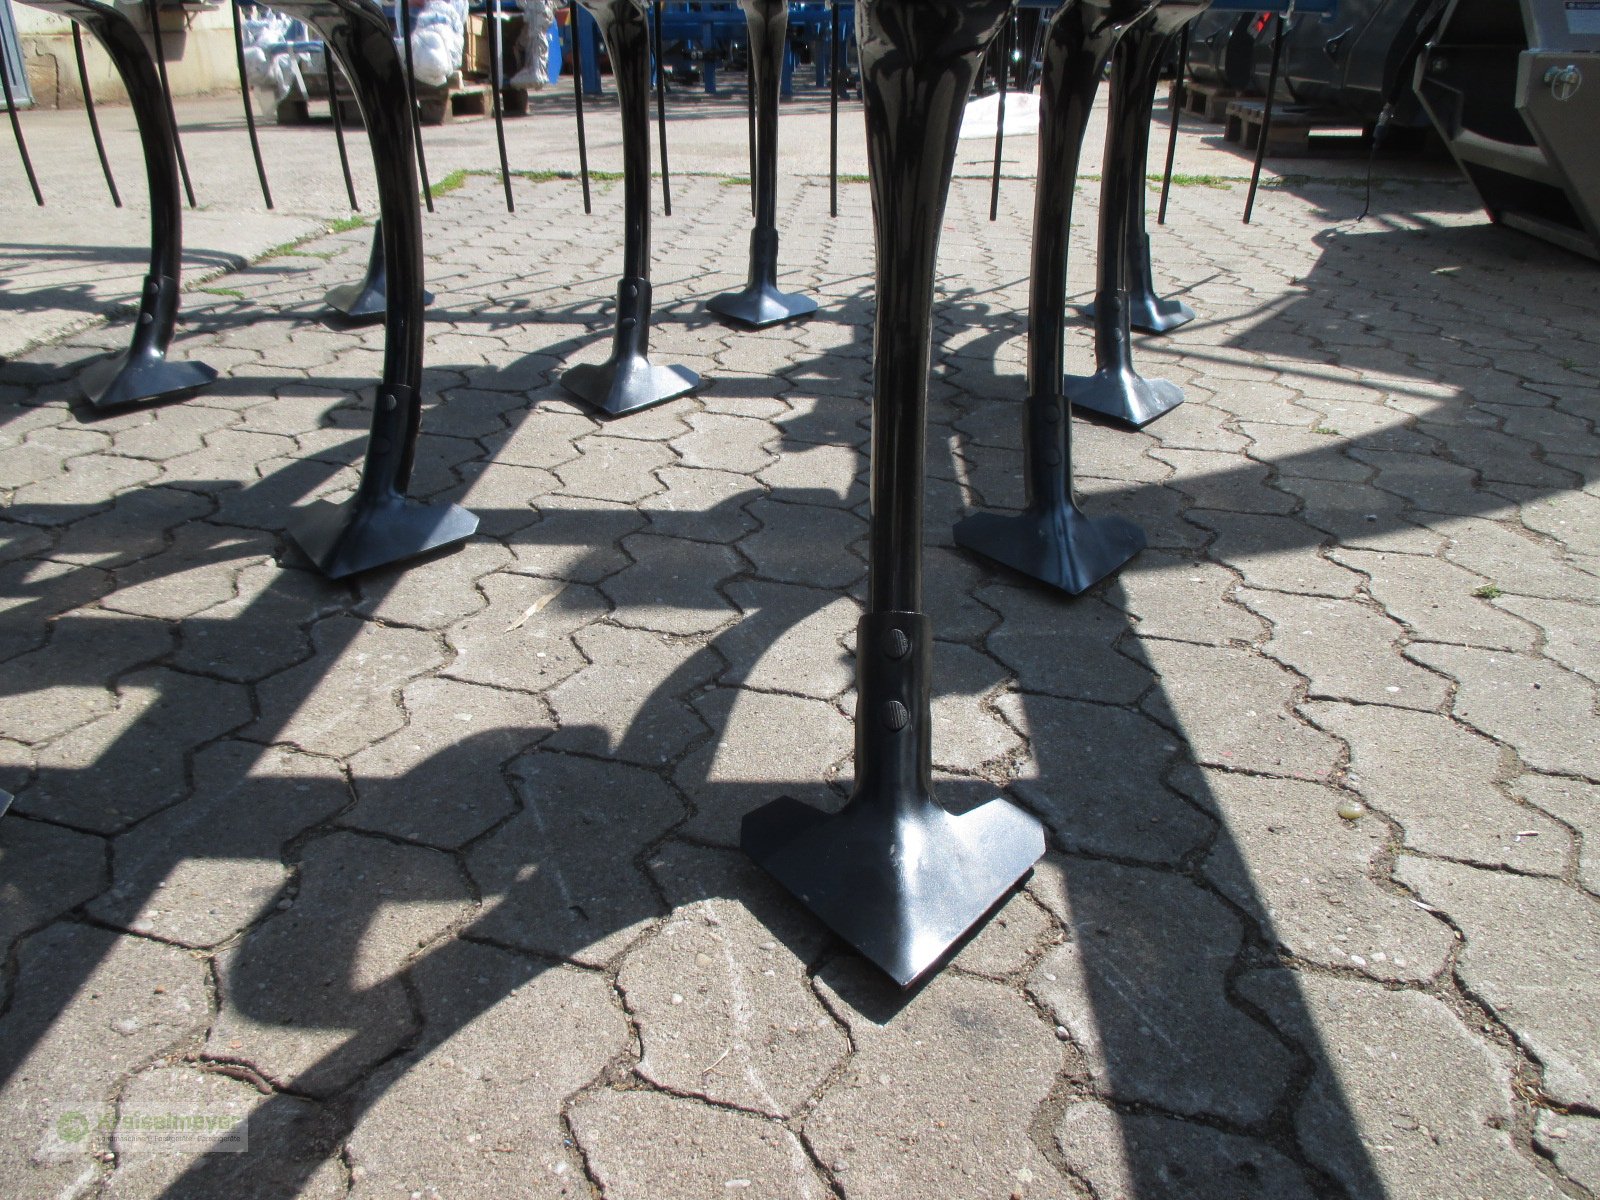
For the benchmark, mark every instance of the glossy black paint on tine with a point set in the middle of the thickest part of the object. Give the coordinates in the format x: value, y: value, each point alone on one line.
x: 497, y: 82
x: 574, y: 13
x: 1266, y: 117
x: 244, y: 93
x: 835, y: 51
x: 895, y: 874
x: 16, y: 132
x: 338, y: 132
x: 411, y: 95
x: 628, y: 380
x: 144, y: 372
x: 1006, y: 37
x: 750, y: 120
x: 379, y: 523
x: 94, y: 121
x: 157, y: 41
x: 761, y: 302
x: 1176, y: 101
x: 661, y: 115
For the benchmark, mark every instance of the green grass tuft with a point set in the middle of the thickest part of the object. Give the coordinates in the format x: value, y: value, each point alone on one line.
x: 1488, y: 592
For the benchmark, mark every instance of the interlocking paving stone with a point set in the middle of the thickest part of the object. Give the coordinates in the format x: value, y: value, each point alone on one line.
x: 1395, y: 762
x: 1403, y: 1101
x: 1095, y: 776
x: 89, y: 1007
x: 344, y: 698
x: 438, y: 780
x: 804, y: 543
x: 362, y: 908
x: 967, y: 736
x: 34, y: 591
x: 1575, y: 804
x: 575, y: 539
x: 1336, y: 360
x: 1361, y: 516
x: 559, y: 878
x: 1280, y: 553
x: 261, y: 629
x: 136, y: 525
x: 1175, y: 597
x: 789, y: 639
x: 630, y: 701
x: 1574, y: 1143
x: 756, y: 757
x: 720, y: 992
x: 1234, y: 709
x: 725, y: 443
x: 1436, y: 600
x: 131, y: 762
x: 1141, y: 987
x: 701, y: 505
x: 438, y: 592
x: 48, y: 871
x: 67, y: 679
x: 474, y: 1111
x: 210, y: 866
x: 281, y: 1155
x: 672, y: 587
x: 819, y: 472
x: 1036, y: 624
x: 1544, y: 713
x: 649, y: 1146
x: 615, y: 469
x: 938, y: 1097
x: 1123, y: 1154
x: 1530, y: 956
x: 1300, y: 451
x: 1287, y: 858
x: 1518, y: 561
x: 1214, y: 480
x: 1346, y: 651
x: 183, y: 578
x: 1571, y: 631
x: 523, y: 639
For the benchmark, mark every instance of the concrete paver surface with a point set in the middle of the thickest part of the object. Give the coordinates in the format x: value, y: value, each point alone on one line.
x: 429, y: 881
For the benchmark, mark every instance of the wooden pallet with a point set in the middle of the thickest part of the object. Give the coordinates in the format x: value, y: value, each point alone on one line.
x: 467, y: 98
x: 1208, y: 100
x: 1292, y: 126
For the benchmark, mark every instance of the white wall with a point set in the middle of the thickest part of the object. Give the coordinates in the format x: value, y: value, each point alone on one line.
x: 198, y: 45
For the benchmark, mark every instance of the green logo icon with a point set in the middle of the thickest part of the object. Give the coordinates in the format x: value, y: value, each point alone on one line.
x: 72, y: 1127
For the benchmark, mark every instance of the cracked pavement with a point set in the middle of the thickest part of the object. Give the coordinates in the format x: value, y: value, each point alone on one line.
x: 432, y: 875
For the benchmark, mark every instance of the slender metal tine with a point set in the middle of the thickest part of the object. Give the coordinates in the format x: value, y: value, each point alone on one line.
x: 497, y: 81
x: 338, y: 132
x: 16, y: 131
x: 661, y: 115
x: 1266, y: 116
x: 244, y: 92
x: 834, y: 53
x: 1178, y: 95
x: 411, y: 94
x: 166, y: 92
x: 573, y: 15
x: 750, y: 122
x: 94, y: 121
x: 1006, y: 38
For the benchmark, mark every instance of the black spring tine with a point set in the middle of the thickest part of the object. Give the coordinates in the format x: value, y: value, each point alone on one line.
x: 411, y: 94
x: 661, y: 116
x: 574, y: 13
x: 94, y: 121
x: 166, y: 94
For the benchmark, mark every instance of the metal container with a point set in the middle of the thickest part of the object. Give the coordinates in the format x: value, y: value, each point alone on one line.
x: 1514, y: 90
